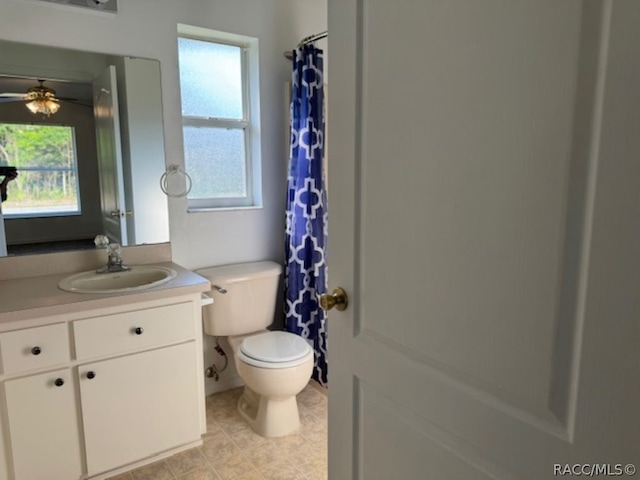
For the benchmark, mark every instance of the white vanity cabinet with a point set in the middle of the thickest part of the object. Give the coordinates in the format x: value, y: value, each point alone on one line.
x: 94, y: 392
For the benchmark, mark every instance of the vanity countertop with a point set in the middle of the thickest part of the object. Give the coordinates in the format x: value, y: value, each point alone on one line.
x: 34, y: 297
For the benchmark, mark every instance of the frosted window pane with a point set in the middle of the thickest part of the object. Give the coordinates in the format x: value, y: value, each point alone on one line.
x: 215, y: 159
x: 210, y: 79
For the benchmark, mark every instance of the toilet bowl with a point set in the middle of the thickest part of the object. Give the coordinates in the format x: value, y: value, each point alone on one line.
x: 274, y: 365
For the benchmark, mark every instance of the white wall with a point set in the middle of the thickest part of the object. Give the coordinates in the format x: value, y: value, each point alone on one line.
x: 311, y: 18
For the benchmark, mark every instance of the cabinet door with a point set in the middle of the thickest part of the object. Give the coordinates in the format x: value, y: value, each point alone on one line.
x: 139, y: 405
x: 43, y: 426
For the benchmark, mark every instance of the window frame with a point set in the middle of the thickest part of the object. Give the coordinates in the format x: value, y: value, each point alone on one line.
x: 246, y: 124
x: 76, y: 170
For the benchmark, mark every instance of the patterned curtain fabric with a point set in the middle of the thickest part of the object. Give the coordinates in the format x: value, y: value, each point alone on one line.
x: 306, y: 233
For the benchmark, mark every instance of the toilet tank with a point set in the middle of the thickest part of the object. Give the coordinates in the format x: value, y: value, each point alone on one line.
x: 250, y: 299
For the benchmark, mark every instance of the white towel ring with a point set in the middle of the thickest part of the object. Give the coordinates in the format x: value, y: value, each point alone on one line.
x: 164, y: 181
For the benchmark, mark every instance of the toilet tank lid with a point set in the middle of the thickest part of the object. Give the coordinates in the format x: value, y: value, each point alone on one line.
x: 240, y: 272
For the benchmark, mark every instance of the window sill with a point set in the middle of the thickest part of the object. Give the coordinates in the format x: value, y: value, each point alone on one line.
x: 223, y: 209
x: 17, y: 216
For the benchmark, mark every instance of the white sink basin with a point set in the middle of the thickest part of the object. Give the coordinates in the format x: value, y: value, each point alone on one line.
x: 138, y: 278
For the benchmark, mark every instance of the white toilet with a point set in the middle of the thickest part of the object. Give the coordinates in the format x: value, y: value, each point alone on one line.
x: 275, y: 366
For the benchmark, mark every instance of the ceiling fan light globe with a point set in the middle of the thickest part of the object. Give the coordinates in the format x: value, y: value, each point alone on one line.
x: 34, y: 106
x: 52, y: 106
x: 44, y: 106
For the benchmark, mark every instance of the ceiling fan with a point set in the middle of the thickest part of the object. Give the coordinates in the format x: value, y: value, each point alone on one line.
x: 39, y: 99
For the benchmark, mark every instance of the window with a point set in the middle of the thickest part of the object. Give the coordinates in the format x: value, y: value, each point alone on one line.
x: 221, y: 144
x: 45, y: 156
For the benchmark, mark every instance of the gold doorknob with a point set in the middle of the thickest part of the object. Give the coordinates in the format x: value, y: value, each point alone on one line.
x: 338, y: 299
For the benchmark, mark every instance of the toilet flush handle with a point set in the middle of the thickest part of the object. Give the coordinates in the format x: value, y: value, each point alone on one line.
x: 219, y: 288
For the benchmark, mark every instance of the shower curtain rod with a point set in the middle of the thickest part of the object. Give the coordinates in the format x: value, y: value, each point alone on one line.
x: 313, y: 38
x: 306, y: 41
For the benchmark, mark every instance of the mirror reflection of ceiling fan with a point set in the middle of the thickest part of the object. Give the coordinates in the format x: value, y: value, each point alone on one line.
x: 39, y: 99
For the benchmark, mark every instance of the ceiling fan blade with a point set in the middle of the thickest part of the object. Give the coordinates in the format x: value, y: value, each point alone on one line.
x: 75, y: 101
x: 11, y: 99
x: 10, y: 95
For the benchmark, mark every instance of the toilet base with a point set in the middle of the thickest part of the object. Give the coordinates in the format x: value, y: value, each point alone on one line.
x: 269, y: 417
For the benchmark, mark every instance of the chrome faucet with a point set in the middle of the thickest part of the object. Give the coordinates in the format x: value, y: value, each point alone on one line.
x: 114, y: 256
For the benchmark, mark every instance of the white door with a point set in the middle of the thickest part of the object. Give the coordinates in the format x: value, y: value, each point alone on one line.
x: 485, y: 222
x: 107, y: 120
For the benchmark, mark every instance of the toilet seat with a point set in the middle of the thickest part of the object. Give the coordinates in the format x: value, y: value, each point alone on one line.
x: 274, y: 350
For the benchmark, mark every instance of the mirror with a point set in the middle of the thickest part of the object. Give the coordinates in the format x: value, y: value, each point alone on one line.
x: 117, y: 146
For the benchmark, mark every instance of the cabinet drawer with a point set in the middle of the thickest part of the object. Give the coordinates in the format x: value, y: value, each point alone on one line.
x: 33, y: 348
x: 130, y: 331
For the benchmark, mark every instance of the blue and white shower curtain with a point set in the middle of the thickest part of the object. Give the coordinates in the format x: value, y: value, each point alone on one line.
x: 306, y: 231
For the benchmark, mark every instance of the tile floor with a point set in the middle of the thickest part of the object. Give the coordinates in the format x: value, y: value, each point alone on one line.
x: 231, y: 451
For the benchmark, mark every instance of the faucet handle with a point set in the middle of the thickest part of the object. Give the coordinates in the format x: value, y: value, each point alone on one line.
x: 101, y: 241
x: 114, y: 256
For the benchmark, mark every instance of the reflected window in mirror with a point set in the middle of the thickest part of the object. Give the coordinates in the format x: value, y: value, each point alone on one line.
x: 46, y: 159
x: 219, y: 94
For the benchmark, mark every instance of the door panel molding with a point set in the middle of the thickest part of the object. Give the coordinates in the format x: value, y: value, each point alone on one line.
x: 575, y: 207
x: 594, y: 40
x: 469, y: 416
x: 395, y: 425
x: 446, y: 382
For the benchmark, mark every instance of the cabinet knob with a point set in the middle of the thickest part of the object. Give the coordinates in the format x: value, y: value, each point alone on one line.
x: 91, y: 375
x: 59, y: 382
x: 138, y: 330
x: 36, y: 351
